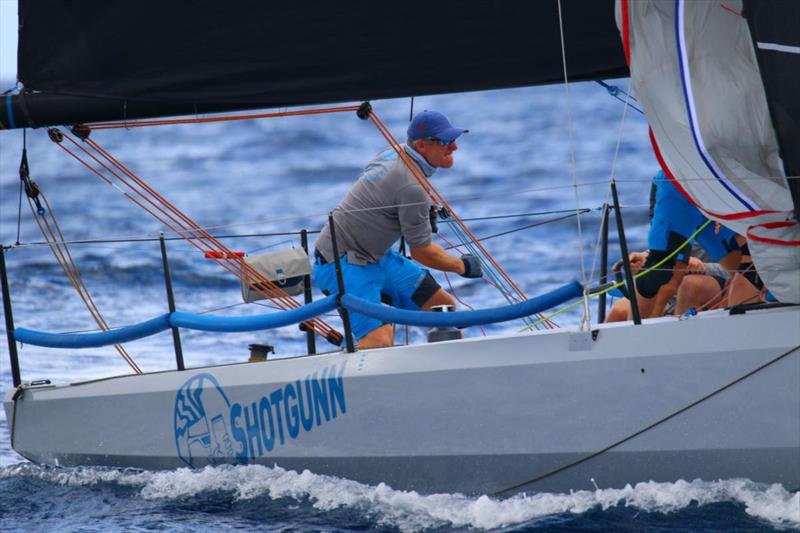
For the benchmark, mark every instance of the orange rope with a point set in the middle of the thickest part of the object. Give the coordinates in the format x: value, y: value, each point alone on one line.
x: 436, y: 196
x: 462, y: 302
x: 184, y: 226
x: 191, y: 231
x: 205, y: 120
x: 439, y: 199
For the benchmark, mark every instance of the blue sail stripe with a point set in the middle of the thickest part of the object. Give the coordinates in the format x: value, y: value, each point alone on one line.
x: 683, y: 68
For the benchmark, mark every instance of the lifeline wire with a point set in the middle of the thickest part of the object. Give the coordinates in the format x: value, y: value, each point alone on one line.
x: 494, y: 268
x: 484, y: 256
x: 170, y: 216
x: 636, y: 276
x: 67, y: 263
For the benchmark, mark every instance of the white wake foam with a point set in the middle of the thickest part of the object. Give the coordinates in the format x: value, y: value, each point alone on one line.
x: 410, y: 511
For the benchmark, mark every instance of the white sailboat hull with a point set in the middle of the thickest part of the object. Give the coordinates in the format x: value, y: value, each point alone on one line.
x: 481, y: 415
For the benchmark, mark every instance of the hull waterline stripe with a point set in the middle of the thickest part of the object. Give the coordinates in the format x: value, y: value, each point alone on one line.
x: 683, y: 67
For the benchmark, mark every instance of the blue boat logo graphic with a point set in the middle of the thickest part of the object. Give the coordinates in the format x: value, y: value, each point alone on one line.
x: 202, y: 419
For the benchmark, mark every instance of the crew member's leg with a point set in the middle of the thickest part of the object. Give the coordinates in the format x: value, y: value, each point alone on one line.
x: 380, y: 337
x: 701, y: 291
x: 674, y: 218
x: 620, y: 311
x: 364, y: 281
x: 722, y: 245
x: 409, y: 286
x: 440, y: 297
x: 746, y: 285
x: 655, y: 288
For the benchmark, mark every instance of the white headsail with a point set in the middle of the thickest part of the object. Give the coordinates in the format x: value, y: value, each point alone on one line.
x: 695, y: 72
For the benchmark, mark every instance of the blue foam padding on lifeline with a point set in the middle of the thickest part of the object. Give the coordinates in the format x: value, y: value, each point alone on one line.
x: 93, y: 340
x: 176, y: 319
x: 231, y: 324
x: 462, y: 319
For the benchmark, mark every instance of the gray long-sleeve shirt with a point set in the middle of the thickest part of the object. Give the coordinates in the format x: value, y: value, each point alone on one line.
x: 386, y: 202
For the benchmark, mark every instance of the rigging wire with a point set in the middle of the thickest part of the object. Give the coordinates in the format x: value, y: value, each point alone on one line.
x: 166, y: 213
x: 488, y: 262
x: 612, y: 176
x: 573, y: 169
x: 511, y: 291
x: 638, y: 275
x: 52, y: 231
x: 650, y: 426
x: 462, y: 302
x: 19, y: 206
x: 614, y: 91
x: 533, y: 225
x: 205, y: 120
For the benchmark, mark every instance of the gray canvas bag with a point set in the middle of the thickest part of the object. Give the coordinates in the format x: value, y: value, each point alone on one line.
x: 284, y: 268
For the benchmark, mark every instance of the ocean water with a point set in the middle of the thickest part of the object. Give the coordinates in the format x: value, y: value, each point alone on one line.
x: 532, y: 153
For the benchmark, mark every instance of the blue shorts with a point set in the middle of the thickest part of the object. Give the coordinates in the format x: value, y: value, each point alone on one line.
x: 675, y: 219
x: 394, y: 277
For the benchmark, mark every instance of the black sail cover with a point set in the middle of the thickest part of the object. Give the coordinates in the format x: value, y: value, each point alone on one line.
x: 268, y: 54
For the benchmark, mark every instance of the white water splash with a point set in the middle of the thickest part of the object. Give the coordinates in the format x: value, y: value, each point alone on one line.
x: 410, y: 511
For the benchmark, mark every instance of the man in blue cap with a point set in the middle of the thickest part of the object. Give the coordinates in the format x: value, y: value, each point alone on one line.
x: 386, y: 203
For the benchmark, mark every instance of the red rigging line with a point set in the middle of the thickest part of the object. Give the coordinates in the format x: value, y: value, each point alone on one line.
x: 204, y: 120
x: 437, y: 197
x: 184, y: 226
x: 228, y: 259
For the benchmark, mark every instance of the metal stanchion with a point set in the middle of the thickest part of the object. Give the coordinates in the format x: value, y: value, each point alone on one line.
x: 176, y: 336
x: 629, y: 283
x: 348, y: 333
x: 311, y: 340
x: 12, y: 344
x: 601, y: 300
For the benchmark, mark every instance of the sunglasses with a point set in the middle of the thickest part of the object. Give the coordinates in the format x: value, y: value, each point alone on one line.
x: 441, y: 142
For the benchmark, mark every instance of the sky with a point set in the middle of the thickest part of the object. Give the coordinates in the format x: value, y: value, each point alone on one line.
x: 8, y: 42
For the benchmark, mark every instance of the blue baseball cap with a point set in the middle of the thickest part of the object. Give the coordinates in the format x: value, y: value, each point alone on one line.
x: 433, y: 125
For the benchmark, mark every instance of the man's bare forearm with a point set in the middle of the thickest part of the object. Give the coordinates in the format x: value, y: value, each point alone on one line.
x: 434, y: 256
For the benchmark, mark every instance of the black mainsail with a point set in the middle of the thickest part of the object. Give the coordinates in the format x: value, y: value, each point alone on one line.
x: 94, y: 60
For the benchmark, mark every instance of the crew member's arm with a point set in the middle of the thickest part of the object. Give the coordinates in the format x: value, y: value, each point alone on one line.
x: 415, y: 223
x: 433, y: 256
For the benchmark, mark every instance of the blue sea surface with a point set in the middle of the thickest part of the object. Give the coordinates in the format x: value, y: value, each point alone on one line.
x: 535, y: 153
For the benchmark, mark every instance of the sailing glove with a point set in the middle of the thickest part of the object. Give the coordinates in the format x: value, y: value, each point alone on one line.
x: 472, y: 266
